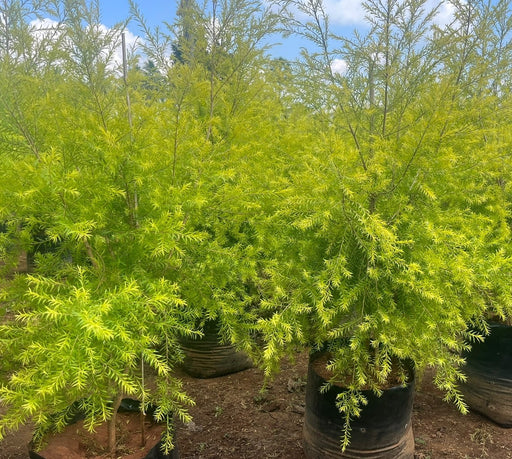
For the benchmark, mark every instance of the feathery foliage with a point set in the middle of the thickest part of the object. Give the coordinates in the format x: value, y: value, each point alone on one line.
x: 396, y: 215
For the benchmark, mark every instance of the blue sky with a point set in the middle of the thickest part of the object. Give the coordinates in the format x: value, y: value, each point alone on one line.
x: 154, y: 11
x: 344, y: 16
x: 157, y: 11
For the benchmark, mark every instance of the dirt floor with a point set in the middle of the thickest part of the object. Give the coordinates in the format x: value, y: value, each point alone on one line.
x: 233, y: 420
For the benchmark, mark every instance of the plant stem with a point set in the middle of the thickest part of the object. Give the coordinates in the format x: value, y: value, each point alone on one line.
x: 112, y: 424
x: 142, y: 411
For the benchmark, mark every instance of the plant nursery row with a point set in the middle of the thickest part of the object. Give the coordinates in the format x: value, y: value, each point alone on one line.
x: 195, y: 189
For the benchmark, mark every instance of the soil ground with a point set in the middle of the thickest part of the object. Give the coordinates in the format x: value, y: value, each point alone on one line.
x: 233, y: 420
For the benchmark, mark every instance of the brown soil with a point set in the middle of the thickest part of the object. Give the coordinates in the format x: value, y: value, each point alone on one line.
x: 233, y: 420
x: 77, y: 443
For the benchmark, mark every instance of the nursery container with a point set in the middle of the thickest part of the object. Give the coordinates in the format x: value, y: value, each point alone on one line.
x: 383, y: 431
x: 207, y: 357
x: 488, y: 389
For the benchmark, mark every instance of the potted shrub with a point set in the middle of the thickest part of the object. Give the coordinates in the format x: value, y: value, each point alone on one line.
x: 488, y: 387
x: 215, y: 121
x: 394, y: 216
x: 98, y: 311
x: 150, y: 238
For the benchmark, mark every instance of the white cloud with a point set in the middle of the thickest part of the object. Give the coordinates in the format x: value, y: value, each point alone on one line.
x: 339, y: 66
x: 44, y: 30
x: 445, y: 13
x: 113, y: 51
x: 132, y: 42
x: 351, y: 12
x: 345, y: 12
x: 45, y: 33
x: 47, y: 29
x: 41, y: 24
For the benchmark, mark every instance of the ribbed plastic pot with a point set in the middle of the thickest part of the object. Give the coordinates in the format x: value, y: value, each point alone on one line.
x: 488, y: 389
x: 207, y: 357
x: 383, y: 431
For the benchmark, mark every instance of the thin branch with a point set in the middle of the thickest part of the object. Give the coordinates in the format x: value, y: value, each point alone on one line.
x: 90, y: 254
x: 130, y: 123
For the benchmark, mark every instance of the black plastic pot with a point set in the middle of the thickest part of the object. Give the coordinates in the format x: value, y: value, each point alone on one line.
x: 383, y: 431
x: 488, y: 389
x: 208, y: 358
x: 156, y: 453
